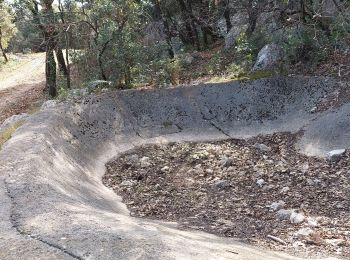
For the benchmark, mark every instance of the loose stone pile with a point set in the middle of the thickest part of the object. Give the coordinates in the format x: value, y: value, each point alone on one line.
x: 260, y: 190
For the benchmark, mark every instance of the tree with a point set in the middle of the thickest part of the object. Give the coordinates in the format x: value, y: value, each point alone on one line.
x: 7, y: 29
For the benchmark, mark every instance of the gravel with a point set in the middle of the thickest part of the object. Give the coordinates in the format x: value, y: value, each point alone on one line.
x: 255, y: 197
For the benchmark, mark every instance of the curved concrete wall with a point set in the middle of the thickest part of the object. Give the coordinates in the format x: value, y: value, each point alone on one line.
x: 54, y: 205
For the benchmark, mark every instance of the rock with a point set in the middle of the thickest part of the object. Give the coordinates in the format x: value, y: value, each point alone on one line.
x: 198, y: 166
x: 305, y: 167
x: 260, y: 182
x: 297, y: 218
x: 78, y: 92
x: 313, y: 110
x: 188, y: 59
x: 297, y: 244
x: 225, y: 222
x: 165, y: 169
x: 277, y: 205
x: 262, y: 147
x: 83, y: 92
x: 310, y: 182
x: 285, y: 189
x: 335, y: 241
x: 284, y: 214
x: 127, y: 184
x: 231, y: 36
x: 144, y: 162
x: 269, y: 57
x: 221, y: 184
x: 210, y: 171
x: 311, y: 222
x: 98, y: 83
x: 133, y: 157
x: 13, y: 120
x: 226, y: 162
x: 335, y: 155
x: 313, y: 182
x: 303, y: 232
x: 49, y: 104
x: 157, y: 186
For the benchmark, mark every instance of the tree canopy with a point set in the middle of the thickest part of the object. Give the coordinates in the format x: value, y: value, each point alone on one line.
x: 7, y: 28
x: 146, y: 42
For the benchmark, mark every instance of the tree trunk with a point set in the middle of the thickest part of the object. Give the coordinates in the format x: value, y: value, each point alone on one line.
x: 61, y: 62
x: 253, y: 13
x: 50, y: 38
x: 100, y: 62
x: 193, y: 25
x: 51, y: 72
x: 67, y: 59
x: 227, y: 16
x: 3, y: 52
x: 2, y: 49
x: 159, y: 15
x: 204, y: 14
x: 190, y: 27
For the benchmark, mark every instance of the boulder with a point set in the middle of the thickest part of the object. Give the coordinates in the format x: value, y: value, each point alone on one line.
x: 13, y: 120
x: 262, y: 147
x: 277, y: 205
x: 98, y: 83
x: 269, y: 57
x: 221, y: 184
x: 284, y: 214
x: 231, y: 36
x: 304, y: 232
x: 226, y: 162
x: 78, y: 92
x: 335, y: 155
x: 145, y: 162
x: 49, y: 104
x: 188, y: 59
x: 296, y: 218
x: 260, y: 182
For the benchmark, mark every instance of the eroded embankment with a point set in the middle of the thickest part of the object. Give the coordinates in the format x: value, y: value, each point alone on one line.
x: 53, y: 165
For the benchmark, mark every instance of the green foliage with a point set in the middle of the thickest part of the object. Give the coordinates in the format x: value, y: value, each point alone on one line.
x: 116, y: 49
x: 305, y: 44
x: 7, y: 27
x: 244, y: 50
x: 315, y: 42
x: 258, y: 40
x: 340, y: 30
x: 129, y: 42
x: 165, y: 71
x: 173, y: 69
x: 236, y: 71
x: 214, y: 65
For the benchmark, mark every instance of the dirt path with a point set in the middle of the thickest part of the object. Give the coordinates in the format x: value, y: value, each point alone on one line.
x: 21, y: 86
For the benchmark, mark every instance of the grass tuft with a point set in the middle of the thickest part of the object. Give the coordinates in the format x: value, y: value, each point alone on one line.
x: 6, y: 134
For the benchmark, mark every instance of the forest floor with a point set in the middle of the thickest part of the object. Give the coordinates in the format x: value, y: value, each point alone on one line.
x: 272, y: 197
x: 21, y: 84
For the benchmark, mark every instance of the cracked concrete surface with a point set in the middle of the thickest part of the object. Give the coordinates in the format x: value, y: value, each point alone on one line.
x: 53, y: 204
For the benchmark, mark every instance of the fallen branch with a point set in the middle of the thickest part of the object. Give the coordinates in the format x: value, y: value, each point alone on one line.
x: 276, y: 239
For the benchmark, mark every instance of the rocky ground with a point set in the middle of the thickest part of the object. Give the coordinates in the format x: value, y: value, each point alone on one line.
x: 261, y: 191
